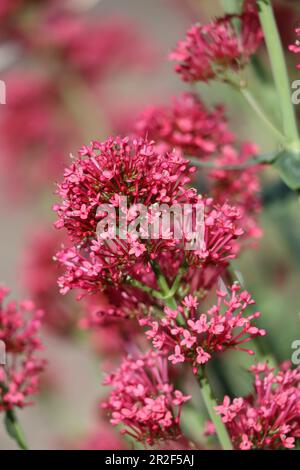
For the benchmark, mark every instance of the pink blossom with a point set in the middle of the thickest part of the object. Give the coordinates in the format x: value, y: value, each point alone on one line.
x: 189, y: 336
x: 19, y: 326
x: 296, y: 47
x: 268, y: 418
x: 187, y: 124
x: 143, y: 401
x: 210, y: 50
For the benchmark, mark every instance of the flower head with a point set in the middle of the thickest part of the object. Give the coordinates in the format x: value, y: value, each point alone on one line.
x: 19, y: 326
x: 187, y: 124
x: 269, y: 418
x: 143, y: 401
x: 189, y: 336
x: 210, y: 50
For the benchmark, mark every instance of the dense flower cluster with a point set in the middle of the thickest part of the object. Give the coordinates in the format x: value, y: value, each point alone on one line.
x: 269, y: 418
x: 144, y: 401
x: 133, y: 168
x: 187, y: 125
x: 296, y: 47
x: 210, y: 50
x: 19, y: 326
x: 189, y: 336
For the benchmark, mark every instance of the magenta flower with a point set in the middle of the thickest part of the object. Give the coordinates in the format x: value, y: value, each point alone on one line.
x: 187, y: 125
x: 143, y: 401
x: 188, y: 335
x: 209, y: 51
x: 19, y: 326
x: 269, y: 418
x: 296, y: 47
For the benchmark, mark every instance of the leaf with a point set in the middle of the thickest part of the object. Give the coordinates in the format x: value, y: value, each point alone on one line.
x: 288, y: 165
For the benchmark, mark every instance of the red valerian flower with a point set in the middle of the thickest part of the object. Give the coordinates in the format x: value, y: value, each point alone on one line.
x: 210, y: 50
x: 188, y: 335
x: 296, y: 47
x: 187, y: 124
x: 143, y: 401
x: 268, y: 418
x: 105, y: 172
x: 191, y: 128
x: 19, y: 326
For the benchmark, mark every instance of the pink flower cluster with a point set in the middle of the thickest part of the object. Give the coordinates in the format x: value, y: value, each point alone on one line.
x: 296, y: 47
x: 143, y: 401
x: 269, y: 418
x: 210, y: 50
x: 189, y: 336
x: 19, y: 326
x: 187, y: 125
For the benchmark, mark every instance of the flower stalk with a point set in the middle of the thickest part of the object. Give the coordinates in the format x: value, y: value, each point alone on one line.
x: 279, y: 70
x: 210, y: 404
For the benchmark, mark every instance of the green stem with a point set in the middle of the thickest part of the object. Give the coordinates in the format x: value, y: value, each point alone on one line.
x: 279, y: 70
x: 246, y: 93
x: 210, y: 404
x: 14, y: 430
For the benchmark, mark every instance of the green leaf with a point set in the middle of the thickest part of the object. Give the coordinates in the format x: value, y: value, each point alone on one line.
x: 288, y: 165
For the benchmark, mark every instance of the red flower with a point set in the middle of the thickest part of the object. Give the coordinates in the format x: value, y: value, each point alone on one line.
x: 269, y: 418
x: 189, y: 336
x: 209, y: 51
x: 143, y: 401
x: 296, y: 47
x: 19, y: 325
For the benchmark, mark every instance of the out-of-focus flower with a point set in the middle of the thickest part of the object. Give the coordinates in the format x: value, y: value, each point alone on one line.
x: 296, y: 47
x: 211, y: 50
x: 240, y: 187
x: 103, y: 437
x: 39, y: 276
x: 269, y: 418
x: 189, y: 336
x: 143, y: 401
x: 187, y: 125
x: 19, y: 326
x: 35, y: 132
x: 91, y: 47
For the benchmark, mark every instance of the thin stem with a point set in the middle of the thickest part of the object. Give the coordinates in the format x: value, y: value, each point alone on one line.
x: 279, y: 69
x: 246, y: 93
x: 14, y: 430
x: 210, y: 404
